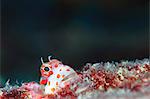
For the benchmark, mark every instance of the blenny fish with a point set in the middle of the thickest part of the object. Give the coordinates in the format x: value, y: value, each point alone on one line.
x: 54, y: 74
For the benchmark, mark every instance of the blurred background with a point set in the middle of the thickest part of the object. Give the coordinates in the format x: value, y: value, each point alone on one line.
x: 73, y: 31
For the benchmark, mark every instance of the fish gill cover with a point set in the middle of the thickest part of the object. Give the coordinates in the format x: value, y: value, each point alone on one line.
x: 124, y: 80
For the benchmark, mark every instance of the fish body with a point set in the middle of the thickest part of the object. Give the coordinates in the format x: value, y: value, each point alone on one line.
x: 54, y: 75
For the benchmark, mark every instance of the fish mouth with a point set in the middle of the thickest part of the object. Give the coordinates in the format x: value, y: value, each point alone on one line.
x: 45, y: 74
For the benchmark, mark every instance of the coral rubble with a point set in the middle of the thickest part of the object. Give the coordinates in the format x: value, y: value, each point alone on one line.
x: 127, y: 79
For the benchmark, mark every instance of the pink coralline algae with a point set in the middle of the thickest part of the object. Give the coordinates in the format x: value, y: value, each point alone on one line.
x: 124, y: 80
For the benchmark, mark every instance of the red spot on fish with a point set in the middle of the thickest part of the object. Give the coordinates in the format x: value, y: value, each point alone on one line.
x: 49, y: 83
x: 52, y: 89
x: 50, y: 72
x: 56, y: 65
x: 58, y: 75
x: 57, y: 83
x: 63, y: 76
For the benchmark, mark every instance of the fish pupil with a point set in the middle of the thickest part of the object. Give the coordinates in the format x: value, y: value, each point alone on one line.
x: 46, y: 69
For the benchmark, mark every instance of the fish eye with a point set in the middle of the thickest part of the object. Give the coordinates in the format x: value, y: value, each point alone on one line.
x: 46, y: 68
